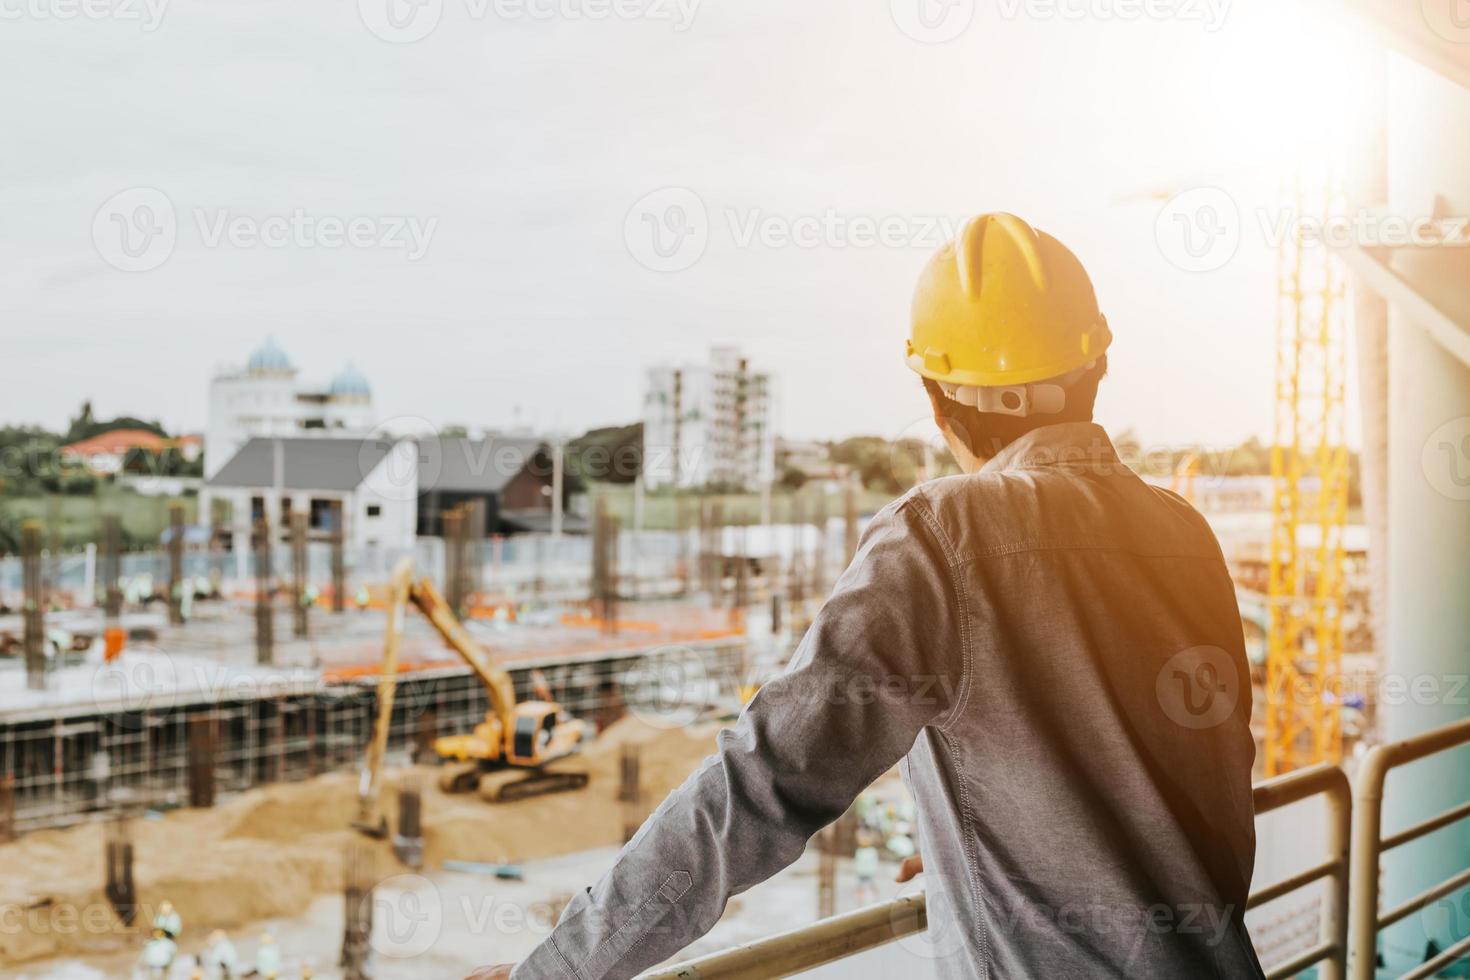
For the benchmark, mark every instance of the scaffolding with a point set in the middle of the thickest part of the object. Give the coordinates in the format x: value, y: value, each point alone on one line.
x: 71, y: 768
x: 1309, y: 473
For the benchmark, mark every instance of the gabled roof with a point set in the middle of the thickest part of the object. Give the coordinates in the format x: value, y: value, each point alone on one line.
x: 306, y: 464
x: 479, y: 465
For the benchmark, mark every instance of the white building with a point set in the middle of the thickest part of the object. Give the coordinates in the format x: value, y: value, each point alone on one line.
x: 370, y: 486
x: 267, y: 399
x: 709, y: 424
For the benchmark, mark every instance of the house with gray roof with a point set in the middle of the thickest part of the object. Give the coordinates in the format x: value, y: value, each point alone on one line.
x: 387, y: 491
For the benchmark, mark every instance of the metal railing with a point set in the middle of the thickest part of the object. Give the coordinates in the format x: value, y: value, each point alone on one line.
x: 790, y: 953
x: 829, y: 940
x: 1331, y: 784
x: 1369, y: 845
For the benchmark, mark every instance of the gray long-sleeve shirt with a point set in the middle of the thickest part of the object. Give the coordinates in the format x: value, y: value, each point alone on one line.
x: 1054, y: 649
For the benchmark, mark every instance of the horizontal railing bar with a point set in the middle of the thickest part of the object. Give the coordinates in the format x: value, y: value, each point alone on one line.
x: 793, y: 952
x: 1301, y: 961
x: 1427, y: 827
x: 1423, y: 898
x: 1299, y: 880
x: 1408, y: 750
x: 1430, y: 968
x: 1298, y: 785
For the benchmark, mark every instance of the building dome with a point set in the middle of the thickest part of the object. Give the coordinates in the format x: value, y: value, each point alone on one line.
x: 268, y: 359
x: 349, y: 383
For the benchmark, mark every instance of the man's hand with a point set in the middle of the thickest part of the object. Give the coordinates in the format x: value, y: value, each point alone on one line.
x: 501, y: 972
x: 911, y: 866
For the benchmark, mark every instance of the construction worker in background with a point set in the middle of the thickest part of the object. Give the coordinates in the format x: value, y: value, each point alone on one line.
x: 158, y: 955
x: 167, y: 921
x: 221, y: 959
x: 1049, y: 645
x: 267, y: 958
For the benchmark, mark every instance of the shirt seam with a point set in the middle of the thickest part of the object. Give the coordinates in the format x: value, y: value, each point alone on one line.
x: 1027, y: 547
x: 962, y: 601
x: 972, y: 869
x: 641, y: 934
x: 566, y: 964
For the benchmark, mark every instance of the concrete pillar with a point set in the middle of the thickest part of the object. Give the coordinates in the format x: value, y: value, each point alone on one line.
x: 1427, y: 654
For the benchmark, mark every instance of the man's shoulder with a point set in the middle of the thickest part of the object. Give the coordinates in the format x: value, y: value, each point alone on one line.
x: 1005, y: 511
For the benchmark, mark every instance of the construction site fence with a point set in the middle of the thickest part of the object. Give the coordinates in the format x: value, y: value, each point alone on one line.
x: 1345, y: 875
x: 66, y: 770
x: 509, y: 563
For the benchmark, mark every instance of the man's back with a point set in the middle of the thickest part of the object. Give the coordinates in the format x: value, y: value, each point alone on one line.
x: 1086, y: 805
x: 1054, y: 647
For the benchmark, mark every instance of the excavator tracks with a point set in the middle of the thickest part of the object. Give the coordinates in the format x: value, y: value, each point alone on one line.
x: 513, y: 784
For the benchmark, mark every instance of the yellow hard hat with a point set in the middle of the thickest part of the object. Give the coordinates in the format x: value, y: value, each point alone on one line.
x: 1003, y: 304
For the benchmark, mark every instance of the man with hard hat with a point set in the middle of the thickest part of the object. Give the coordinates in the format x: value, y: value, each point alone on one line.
x: 1050, y: 646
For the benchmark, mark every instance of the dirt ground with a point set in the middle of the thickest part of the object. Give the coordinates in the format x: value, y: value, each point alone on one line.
x: 271, y: 852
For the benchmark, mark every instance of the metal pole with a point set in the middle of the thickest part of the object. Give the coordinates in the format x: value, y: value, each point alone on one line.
x: 298, y: 573
x: 558, y: 464
x: 176, y: 563
x: 849, y: 506
x: 339, y: 560
x: 33, y: 605
x: 111, y: 568
x: 264, y: 587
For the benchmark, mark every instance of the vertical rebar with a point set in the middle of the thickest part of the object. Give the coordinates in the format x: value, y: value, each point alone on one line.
x: 681, y: 520
x: 357, y: 894
x: 33, y: 605
x: 742, y: 571
x: 717, y: 553
x: 7, y: 807
x: 630, y: 790
x: 339, y: 559
x: 475, y: 531
x: 819, y: 550
x: 408, y: 842
x: 118, y: 862
x: 264, y: 587
x: 827, y: 873
x: 302, y: 604
x: 176, y: 563
x: 849, y: 507
x: 111, y: 567
x: 454, y: 559
x: 201, y: 761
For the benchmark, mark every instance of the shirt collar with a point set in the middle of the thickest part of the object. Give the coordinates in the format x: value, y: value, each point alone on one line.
x: 1075, y: 444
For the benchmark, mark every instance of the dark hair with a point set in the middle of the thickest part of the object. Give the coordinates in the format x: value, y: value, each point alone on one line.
x: 987, y: 433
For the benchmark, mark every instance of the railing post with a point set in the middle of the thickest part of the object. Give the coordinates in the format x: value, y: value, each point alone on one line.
x: 1367, y: 832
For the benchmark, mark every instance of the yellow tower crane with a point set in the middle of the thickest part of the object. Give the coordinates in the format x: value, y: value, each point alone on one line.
x: 1309, y: 474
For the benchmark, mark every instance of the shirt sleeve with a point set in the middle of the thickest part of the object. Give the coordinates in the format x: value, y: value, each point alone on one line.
x: 884, y: 658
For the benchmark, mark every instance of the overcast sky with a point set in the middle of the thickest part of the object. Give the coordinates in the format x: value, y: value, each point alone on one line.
x: 467, y: 215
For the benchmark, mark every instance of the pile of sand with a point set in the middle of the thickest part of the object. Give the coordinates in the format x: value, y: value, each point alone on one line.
x: 269, y: 852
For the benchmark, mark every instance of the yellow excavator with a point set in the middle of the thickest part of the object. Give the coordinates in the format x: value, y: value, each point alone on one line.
x: 509, y: 756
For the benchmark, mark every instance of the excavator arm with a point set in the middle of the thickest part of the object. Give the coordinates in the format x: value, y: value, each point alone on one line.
x: 497, y: 682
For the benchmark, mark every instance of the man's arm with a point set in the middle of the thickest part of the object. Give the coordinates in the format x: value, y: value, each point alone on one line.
x: 884, y: 658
